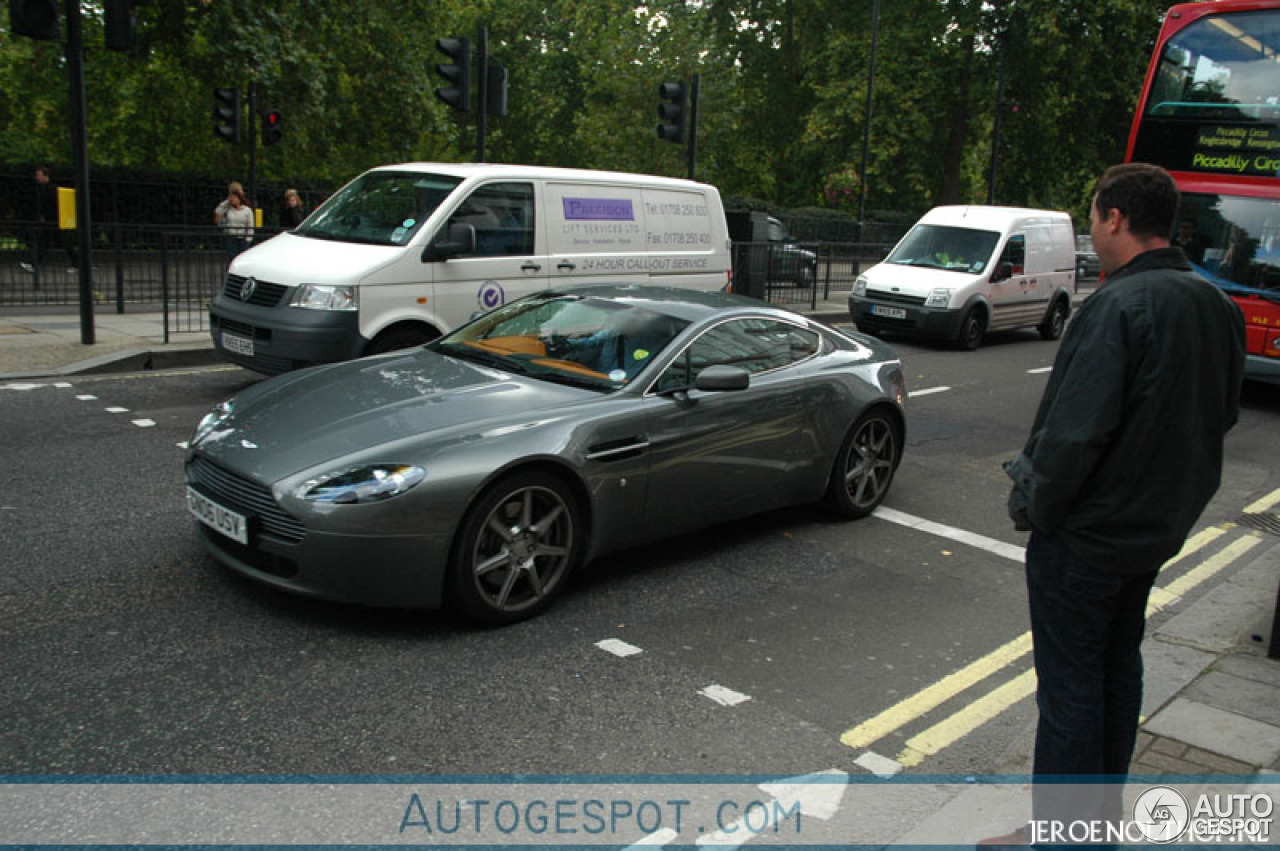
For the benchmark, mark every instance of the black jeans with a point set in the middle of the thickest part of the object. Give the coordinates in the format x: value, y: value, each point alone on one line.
x: 1087, y: 628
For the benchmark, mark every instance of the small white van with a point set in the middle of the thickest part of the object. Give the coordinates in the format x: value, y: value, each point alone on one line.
x: 965, y: 270
x: 404, y: 253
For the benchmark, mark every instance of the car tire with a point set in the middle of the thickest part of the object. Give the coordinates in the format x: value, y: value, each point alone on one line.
x: 865, y: 465
x: 516, y: 547
x: 399, y: 337
x: 1052, y: 326
x: 972, y: 329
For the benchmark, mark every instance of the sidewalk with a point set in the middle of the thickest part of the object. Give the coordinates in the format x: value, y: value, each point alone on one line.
x: 1212, y: 703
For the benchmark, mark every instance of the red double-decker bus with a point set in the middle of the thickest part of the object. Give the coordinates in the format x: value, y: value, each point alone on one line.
x: 1210, y: 115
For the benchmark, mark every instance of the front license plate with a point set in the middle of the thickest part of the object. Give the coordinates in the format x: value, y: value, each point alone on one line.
x: 239, y: 345
x: 888, y: 312
x: 220, y: 519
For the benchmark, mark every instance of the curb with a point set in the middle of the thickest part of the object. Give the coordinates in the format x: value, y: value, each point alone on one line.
x: 127, y: 360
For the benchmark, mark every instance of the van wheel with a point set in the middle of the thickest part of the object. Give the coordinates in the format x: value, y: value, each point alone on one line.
x: 400, y: 337
x: 972, y: 329
x: 1051, y: 328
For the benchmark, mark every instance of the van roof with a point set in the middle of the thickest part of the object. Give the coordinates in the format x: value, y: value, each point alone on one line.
x: 980, y: 215
x: 468, y: 170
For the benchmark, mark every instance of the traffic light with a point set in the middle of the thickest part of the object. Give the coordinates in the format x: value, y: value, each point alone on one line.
x: 272, y: 123
x: 35, y: 19
x: 673, y: 99
x: 457, y: 72
x: 121, y: 24
x: 496, y: 98
x: 227, y: 112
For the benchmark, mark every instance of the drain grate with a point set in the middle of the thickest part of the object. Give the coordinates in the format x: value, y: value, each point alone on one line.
x: 1262, y: 522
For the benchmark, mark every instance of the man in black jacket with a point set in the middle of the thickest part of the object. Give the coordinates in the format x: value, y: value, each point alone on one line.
x: 1124, y: 454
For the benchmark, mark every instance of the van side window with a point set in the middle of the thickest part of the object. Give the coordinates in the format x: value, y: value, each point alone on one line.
x: 1015, y: 254
x: 502, y: 214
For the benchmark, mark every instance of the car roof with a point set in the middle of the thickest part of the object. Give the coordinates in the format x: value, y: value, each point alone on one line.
x: 680, y: 302
x: 529, y: 172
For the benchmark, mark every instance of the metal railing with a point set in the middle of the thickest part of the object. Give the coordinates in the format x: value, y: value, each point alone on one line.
x: 135, y: 268
x: 179, y: 270
x: 801, y: 273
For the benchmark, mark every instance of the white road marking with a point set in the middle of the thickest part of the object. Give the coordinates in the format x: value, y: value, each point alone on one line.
x: 724, y: 696
x: 928, y: 391
x: 144, y: 423
x: 86, y: 397
x: 1039, y: 370
x: 982, y: 542
x: 880, y: 766
x: 618, y: 647
x: 117, y: 410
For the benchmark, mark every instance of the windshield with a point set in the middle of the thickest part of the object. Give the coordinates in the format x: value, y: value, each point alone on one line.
x: 1222, y: 66
x: 379, y: 208
x: 944, y: 247
x: 1234, y: 241
x: 593, y: 342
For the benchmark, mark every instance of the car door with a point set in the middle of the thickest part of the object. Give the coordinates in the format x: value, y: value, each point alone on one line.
x: 719, y: 455
x: 1009, y: 292
x: 509, y: 259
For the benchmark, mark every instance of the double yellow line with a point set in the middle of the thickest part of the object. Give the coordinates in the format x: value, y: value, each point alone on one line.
x: 950, y: 730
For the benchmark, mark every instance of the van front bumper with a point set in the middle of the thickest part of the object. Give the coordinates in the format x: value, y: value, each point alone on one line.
x: 273, y: 340
x: 1262, y: 368
x: 871, y: 315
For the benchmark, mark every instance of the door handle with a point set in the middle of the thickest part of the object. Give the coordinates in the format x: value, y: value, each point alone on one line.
x: 566, y: 266
x: 530, y: 266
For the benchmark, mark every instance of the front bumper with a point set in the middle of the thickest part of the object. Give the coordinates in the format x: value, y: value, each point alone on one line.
x: 284, y: 338
x: 1261, y: 368
x: 914, y: 319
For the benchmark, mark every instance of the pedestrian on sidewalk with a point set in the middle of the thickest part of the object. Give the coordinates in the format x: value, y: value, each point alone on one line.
x: 46, y: 232
x: 292, y: 213
x: 235, y: 216
x: 1124, y: 453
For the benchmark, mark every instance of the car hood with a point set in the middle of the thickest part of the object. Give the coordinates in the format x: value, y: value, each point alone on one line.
x: 291, y: 423
x: 287, y: 258
x: 916, y: 280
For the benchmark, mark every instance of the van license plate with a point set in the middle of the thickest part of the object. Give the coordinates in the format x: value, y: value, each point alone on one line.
x: 239, y: 345
x: 220, y: 519
x: 888, y: 312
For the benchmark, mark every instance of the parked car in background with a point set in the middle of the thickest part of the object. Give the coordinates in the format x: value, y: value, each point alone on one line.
x: 788, y: 262
x: 1088, y: 267
x: 480, y: 470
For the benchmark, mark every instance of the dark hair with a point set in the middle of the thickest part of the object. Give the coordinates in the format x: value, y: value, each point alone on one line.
x: 1144, y: 194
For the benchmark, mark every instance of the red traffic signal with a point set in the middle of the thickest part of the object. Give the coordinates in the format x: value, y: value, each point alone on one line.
x: 272, y: 126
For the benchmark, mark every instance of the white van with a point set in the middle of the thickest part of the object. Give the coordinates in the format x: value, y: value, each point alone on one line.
x: 963, y: 271
x: 404, y: 253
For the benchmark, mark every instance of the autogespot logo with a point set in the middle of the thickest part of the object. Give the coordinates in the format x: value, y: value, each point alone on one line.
x: 1161, y: 814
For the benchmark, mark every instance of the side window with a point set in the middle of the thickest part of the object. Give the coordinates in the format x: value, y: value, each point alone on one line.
x: 756, y: 345
x: 1015, y: 253
x: 502, y: 214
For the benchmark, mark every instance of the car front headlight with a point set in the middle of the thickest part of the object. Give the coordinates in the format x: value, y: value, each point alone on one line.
x: 860, y: 286
x: 372, y: 483
x: 220, y: 413
x: 326, y: 297
x: 940, y: 297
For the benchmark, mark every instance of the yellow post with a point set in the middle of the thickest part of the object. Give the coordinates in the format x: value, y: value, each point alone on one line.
x: 66, y: 208
x: 257, y: 217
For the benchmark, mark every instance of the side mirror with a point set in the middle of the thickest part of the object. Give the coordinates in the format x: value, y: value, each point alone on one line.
x: 1003, y: 272
x: 461, y: 239
x: 718, y: 379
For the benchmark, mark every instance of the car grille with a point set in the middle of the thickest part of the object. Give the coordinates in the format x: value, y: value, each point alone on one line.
x: 264, y: 294
x: 895, y: 298
x: 247, y: 497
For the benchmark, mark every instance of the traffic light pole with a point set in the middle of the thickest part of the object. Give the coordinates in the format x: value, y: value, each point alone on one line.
x: 482, y: 92
x: 80, y: 153
x: 253, y: 143
x: 693, y: 124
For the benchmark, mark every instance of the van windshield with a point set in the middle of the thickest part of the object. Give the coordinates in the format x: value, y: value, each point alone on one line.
x: 379, y: 208
x: 945, y: 247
